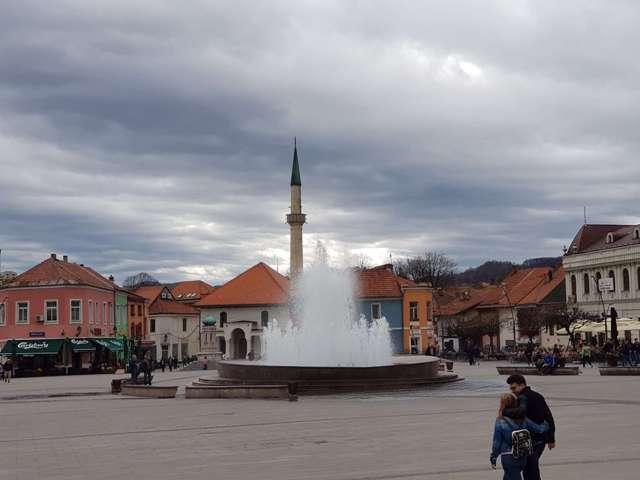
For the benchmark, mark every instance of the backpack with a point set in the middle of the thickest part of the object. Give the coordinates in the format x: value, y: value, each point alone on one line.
x: 522, y: 443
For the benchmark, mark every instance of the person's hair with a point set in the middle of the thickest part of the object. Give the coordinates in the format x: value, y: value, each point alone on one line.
x: 519, y: 379
x: 507, y: 400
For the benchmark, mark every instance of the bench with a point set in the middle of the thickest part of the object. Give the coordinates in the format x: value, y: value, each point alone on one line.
x: 149, y: 391
x: 511, y: 370
x: 619, y: 371
x: 239, y: 391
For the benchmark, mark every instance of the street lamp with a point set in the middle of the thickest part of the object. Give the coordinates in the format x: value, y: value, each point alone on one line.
x: 513, y: 316
x: 604, y: 310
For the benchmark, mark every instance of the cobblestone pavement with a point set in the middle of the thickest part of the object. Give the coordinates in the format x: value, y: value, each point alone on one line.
x: 437, y: 433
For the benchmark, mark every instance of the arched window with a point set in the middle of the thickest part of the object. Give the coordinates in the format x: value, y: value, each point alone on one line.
x: 585, y: 283
x: 574, y: 288
x: 223, y: 319
x: 264, y: 318
x: 625, y: 280
x: 638, y: 279
x: 598, y: 277
x: 612, y: 276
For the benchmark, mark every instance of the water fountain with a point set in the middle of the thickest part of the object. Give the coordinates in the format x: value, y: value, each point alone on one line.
x: 329, y: 346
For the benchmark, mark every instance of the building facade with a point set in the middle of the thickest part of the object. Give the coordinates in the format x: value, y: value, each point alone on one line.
x: 604, y: 252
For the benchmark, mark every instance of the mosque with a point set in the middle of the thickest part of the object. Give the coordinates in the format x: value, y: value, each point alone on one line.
x: 234, y: 315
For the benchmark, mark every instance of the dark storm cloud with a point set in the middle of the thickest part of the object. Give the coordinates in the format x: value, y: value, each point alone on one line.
x: 157, y: 135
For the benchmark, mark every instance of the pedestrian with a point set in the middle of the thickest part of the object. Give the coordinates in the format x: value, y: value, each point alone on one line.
x: 175, y: 362
x: 512, y: 439
x: 133, y: 369
x: 470, y: 354
x: 170, y: 362
x: 162, y: 364
x: 533, y: 406
x: 585, y: 353
x: 146, y: 370
x: 528, y: 353
x: 636, y: 352
x: 7, y: 370
x: 205, y: 362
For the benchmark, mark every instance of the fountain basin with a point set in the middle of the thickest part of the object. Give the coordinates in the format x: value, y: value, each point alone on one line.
x: 405, y: 372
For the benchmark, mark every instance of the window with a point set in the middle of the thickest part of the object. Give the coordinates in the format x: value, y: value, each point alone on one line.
x: 22, y: 313
x: 264, y: 318
x: 104, y: 312
x: 165, y: 295
x: 184, y: 324
x: 223, y: 319
x: 573, y: 285
x: 585, y: 283
x: 152, y: 325
x: 139, y: 310
x: 1, y: 313
x: 598, y: 277
x: 636, y: 234
x: 413, y: 311
x: 110, y: 317
x: 90, y: 311
x: 132, y: 310
x: 613, y: 276
x: 51, y: 311
x: 625, y: 280
x: 76, y: 311
x: 376, y: 311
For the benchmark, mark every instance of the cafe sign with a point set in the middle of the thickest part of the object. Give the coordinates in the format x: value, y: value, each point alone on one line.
x: 33, y: 345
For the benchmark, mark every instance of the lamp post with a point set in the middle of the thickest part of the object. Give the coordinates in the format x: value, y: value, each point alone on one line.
x: 513, y: 316
x: 604, y: 310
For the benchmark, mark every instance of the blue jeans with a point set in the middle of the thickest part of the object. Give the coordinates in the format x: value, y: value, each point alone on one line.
x: 512, y: 467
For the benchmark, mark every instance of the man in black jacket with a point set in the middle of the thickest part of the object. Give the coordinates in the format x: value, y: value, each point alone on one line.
x: 532, y: 405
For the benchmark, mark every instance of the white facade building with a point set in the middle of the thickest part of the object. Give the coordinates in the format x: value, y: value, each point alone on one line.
x: 604, y: 251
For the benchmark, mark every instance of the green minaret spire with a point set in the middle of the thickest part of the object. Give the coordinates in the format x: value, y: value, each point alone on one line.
x: 295, y: 171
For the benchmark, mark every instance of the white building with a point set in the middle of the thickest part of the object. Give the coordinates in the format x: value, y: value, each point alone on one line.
x: 234, y: 315
x: 173, y: 326
x: 600, y: 251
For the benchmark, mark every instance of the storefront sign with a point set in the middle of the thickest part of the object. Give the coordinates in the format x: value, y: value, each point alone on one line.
x: 36, y: 334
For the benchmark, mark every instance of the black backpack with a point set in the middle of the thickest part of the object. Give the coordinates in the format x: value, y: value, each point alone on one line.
x: 522, y: 443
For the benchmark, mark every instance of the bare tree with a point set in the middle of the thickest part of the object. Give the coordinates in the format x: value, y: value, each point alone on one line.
x: 570, y: 319
x: 361, y: 261
x: 530, y: 321
x: 142, y: 279
x: 434, y: 268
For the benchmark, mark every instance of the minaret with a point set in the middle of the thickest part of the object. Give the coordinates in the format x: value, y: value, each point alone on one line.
x: 296, y: 218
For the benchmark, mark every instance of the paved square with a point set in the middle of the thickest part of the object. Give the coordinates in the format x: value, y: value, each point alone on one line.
x: 437, y: 433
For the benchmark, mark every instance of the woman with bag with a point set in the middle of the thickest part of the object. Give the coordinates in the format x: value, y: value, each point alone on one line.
x: 512, y: 439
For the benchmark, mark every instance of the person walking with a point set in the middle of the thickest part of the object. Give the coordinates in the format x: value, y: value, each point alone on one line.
x: 585, y: 353
x: 533, y: 406
x: 146, y: 370
x: 163, y: 364
x: 7, y: 370
x: 133, y: 369
x: 512, y: 439
x: 170, y: 362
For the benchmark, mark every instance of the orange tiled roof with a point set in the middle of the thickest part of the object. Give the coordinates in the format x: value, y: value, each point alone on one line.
x: 379, y: 282
x: 543, y: 289
x: 518, y: 285
x: 150, y: 292
x: 260, y: 285
x: 53, y: 272
x: 455, y: 300
x: 171, y: 307
x: 191, y: 290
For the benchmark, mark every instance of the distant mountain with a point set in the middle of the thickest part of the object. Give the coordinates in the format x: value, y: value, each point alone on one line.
x: 490, y: 272
x: 495, y: 271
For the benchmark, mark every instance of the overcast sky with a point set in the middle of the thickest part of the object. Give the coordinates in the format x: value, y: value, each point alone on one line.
x: 157, y: 135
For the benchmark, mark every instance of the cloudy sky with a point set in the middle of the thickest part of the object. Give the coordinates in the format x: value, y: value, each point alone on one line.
x: 157, y: 135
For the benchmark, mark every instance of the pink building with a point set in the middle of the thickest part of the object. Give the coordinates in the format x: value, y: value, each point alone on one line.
x: 55, y: 300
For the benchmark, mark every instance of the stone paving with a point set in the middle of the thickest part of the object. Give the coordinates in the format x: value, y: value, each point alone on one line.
x: 436, y: 433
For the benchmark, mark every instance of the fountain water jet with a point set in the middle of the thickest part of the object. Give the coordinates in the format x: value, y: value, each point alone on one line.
x: 327, y: 329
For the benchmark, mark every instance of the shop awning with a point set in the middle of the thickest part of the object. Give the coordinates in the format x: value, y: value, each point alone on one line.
x: 113, y: 344
x: 82, y: 345
x: 33, y: 347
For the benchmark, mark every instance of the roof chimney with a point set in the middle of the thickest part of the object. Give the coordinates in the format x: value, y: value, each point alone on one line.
x: 550, y: 274
x: 65, y: 258
x: 111, y: 278
x: 53, y: 255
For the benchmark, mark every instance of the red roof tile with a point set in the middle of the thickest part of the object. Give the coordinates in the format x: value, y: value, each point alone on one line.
x: 260, y: 285
x: 191, y: 290
x: 548, y: 285
x: 593, y: 237
x: 171, y: 307
x: 58, y: 272
x: 518, y: 285
x: 379, y: 282
x: 150, y: 292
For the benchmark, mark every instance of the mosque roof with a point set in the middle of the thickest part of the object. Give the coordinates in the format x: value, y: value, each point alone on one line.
x: 259, y: 285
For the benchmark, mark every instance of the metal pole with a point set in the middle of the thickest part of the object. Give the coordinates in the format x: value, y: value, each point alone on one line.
x: 513, y: 316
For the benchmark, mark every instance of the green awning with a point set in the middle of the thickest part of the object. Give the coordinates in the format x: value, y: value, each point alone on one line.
x: 33, y: 347
x: 82, y: 345
x: 113, y: 344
